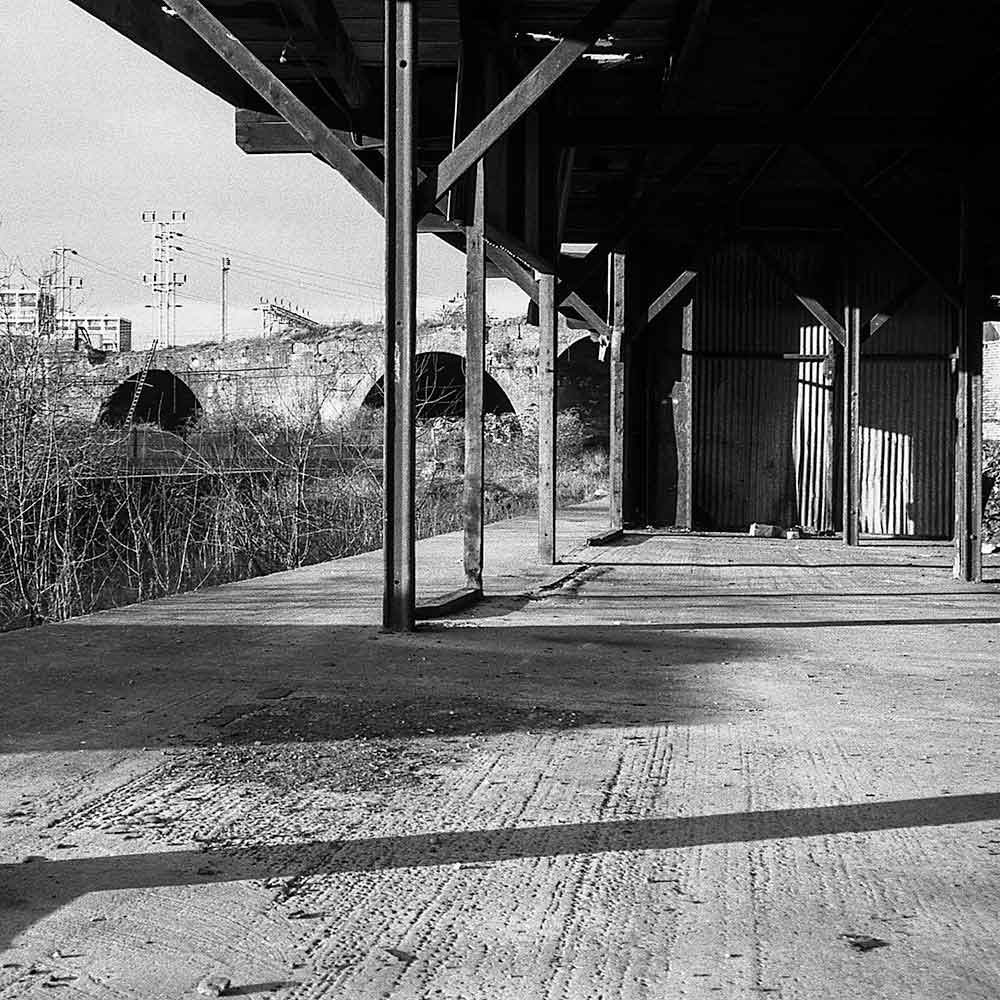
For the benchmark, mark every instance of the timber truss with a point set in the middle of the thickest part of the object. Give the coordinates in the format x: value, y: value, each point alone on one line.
x: 653, y: 131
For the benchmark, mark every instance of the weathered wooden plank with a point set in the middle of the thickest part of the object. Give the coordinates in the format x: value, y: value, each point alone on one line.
x: 475, y: 373
x: 588, y: 315
x: 319, y: 137
x: 526, y: 95
x: 260, y: 132
x: 969, y: 399
x: 616, y: 448
x: 683, y: 400
x: 169, y: 39
x: 824, y: 317
x: 548, y: 351
x: 851, y: 453
x: 668, y: 295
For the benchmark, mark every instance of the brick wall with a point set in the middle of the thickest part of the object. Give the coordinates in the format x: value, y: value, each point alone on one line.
x: 991, y: 390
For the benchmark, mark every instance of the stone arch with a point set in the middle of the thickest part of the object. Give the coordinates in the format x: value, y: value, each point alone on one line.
x: 440, y: 388
x: 584, y: 385
x: 164, y: 399
x: 570, y: 338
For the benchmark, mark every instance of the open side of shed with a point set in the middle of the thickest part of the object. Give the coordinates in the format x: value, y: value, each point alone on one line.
x: 795, y: 203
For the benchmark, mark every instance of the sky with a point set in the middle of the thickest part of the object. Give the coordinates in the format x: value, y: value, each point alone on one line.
x: 97, y: 131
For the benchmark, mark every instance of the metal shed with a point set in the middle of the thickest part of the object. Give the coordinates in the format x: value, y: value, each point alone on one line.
x: 795, y: 200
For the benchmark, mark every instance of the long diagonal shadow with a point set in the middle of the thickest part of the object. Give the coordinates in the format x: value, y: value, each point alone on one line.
x: 39, y: 886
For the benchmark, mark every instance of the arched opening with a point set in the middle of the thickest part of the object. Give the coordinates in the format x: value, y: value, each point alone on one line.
x: 440, y: 388
x: 583, y: 385
x: 164, y: 399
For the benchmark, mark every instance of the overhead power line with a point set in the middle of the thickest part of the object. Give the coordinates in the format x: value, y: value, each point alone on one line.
x: 284, y: 265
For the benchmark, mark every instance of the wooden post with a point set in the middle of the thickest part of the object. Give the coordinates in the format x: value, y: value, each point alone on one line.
x: 399, y: 460
x: 851, y: 439
x: 684, y: 422
x: 532, y: 183
x: 616, y: 445
x: 548, y: 320
x: 969, y: 389
x: 475, y: 370
x: 829, y: 433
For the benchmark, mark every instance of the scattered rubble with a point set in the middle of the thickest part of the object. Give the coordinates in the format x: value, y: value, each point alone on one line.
x: 864, y: 942
x: 214, y: 986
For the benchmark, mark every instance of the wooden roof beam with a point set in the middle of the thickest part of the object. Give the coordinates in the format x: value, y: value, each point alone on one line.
x: 260, y: 132
x: 835, y: 70
x: 756, y: 128
x: 664, y: 299
x: 632, y: 220
x: 680, y: 65
x: 526, y: 95
x: 883, y: 315
x: 810, y: 303
x: 513, y: 269
x: 335, y: 48
x: 867, y: 208
x: 318, y: 137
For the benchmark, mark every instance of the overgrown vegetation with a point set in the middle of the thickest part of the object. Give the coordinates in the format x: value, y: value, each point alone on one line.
x: 86, y: 524
x: 991, y: 473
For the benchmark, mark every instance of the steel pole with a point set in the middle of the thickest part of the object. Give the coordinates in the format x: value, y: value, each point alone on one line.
x: 399, y: 513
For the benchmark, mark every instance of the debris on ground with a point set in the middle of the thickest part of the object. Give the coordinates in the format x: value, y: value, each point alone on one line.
x: 402, y: 956
x: 864, y: 942
x: 214, y: 986
x: 765, y: 530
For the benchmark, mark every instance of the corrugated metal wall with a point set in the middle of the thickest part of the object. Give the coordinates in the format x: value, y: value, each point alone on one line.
x: 814, y: 433
x: 907, y: 411
x: 761, y: 421
x: 767, y: 429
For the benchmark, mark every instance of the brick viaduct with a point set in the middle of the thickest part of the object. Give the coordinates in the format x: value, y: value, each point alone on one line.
x: 295, y: 374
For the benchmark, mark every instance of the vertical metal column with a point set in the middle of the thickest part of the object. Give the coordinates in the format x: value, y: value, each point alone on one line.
x: 851, y: 452
x: 616, y: 447
x: 399, y: 478
x: 969, y: 399
x: 548, y: 325
x: 475, y: 370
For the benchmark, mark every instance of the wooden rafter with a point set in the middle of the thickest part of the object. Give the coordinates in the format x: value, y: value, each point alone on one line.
x: 526, y: 95
x: 809, y: 302
x: 663, y: 300
x: 260, y: 132
x: 866, y: 207
x: 848, y: 52
x: 633, y: 219
x: 588, y: 315
x: 335, y: 49
x: 759, y: 128
x: 320, y: 139
x: 680, y: 65
x: 883, y: 315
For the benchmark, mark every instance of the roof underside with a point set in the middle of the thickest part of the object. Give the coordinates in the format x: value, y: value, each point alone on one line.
x: 886, y: 92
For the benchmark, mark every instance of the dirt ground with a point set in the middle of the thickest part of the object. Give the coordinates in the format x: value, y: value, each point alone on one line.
x: 675, y: 768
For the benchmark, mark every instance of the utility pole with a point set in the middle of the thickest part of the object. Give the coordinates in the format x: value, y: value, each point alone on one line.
x: 226, y: 264
x: 162, y: 280
x: 63, y: 288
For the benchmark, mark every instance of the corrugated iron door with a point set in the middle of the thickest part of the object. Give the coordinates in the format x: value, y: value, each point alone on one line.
x: 763, y: 431
x: 907, y: 443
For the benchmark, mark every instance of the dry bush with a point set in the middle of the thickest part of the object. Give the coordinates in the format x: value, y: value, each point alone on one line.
x: 84, y: 527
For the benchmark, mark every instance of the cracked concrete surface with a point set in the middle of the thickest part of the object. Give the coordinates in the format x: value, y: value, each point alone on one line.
x: 675, y: 767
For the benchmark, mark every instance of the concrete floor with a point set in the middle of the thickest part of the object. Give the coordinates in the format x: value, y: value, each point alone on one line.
x: 680, y: 766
